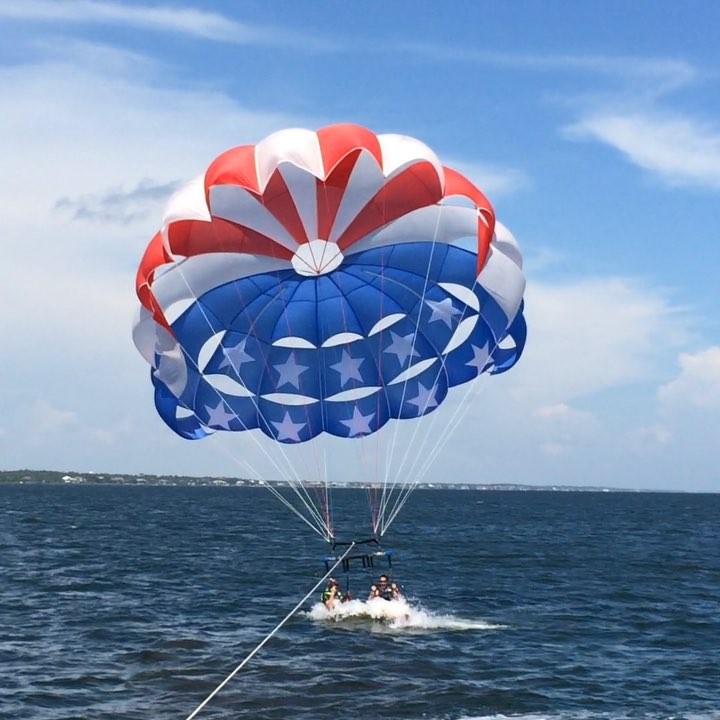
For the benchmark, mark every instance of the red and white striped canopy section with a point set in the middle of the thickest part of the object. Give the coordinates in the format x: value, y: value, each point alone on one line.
x: 304, y: 199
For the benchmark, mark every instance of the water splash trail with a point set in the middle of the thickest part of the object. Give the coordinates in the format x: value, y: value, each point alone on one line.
x: 396, y: 615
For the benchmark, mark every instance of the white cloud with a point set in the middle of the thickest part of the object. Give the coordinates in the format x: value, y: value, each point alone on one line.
x: 562, y: 429
x: 46, y: 420
x: 591, y: 335
x: 656, y: 73
x: 595, y: 347
x: 92, y: 139
x: 552, y: 411
x: 89, y: 133
x: 91, y: 150
x: 159, y: 18
x: 680, y: 151
x: 698, y: 384
x: 118, y: 205
x: 491, y: 179
x: 646, y: 439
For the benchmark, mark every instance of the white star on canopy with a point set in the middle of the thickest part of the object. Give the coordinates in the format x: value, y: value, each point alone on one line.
x: 358, y: 424
x: 443, y: 310
x: 287, y: 429
x: 402, y: 347
x: 290, y: 372
x: 236, y: 356
x: 480, y: 357
x: 218, y: 416
x: 348, y: 367
x: 425, y: 398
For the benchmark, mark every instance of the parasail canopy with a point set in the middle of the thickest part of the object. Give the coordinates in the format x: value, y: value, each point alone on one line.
x: 325, y: 282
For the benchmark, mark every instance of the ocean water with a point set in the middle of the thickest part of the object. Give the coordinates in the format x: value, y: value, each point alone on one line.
x: 136, y: 602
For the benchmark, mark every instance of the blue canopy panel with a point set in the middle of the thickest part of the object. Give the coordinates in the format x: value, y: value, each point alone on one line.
x: 357, y: 418
x: 290, y: 424
x: 419, y: 395
x: 365, y: 288
x: 473, y: 357
x: 437, y: 261
x: 493, y: 315
x: 224, y: 411
x: 505, y: 358
x: 349, y: 367
x: 481, y: 351
x: 293, y: 373
x: 167, y: 406
x: 243, y: 358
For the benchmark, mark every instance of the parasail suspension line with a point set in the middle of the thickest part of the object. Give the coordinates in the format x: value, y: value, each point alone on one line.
x: 387, y: 494
x: 291, y: 477
x: 321, y: 528
x: 441, y: 440
x: 424, y: 460
x: 268, y: 636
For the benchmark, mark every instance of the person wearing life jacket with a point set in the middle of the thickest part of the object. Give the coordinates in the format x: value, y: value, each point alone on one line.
x: 332, y: 594
x: 384, y: 589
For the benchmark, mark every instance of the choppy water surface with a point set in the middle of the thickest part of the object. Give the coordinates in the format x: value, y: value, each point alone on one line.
x: 135, y: 602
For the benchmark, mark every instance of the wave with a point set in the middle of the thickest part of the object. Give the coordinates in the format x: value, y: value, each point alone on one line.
x: 589, y: 715
x: 396, y: 615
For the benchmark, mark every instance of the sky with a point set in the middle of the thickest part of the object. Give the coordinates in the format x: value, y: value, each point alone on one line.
x: 594, y: 129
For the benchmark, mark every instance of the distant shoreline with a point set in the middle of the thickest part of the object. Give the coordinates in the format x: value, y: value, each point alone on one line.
x: 58, y: 477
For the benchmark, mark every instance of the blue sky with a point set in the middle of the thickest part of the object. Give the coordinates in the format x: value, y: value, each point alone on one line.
x: 593, y: 128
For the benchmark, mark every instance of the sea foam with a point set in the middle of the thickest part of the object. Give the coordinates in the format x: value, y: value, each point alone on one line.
x: 395, y: 614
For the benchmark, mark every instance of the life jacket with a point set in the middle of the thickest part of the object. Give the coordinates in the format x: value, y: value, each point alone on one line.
x: 386, y: 593
x: 327, y: 593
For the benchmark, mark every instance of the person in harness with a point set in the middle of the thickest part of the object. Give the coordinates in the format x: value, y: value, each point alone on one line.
x: 384, y: 589
x: 332, y: 594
